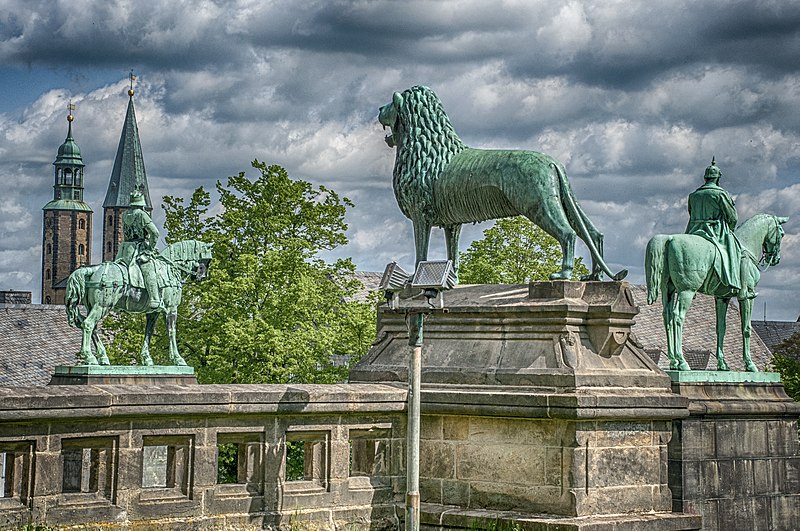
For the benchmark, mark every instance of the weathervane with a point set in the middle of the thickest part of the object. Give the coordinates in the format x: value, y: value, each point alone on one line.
x: 133, y: 78
x: 70, y: 107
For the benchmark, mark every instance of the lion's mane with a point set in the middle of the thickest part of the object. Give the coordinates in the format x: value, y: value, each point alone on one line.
x: 428, y: 143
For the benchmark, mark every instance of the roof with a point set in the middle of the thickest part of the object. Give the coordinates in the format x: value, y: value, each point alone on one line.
x: 36, y: 338
x: 128, y: 173
x: 773, y: 333
x: 69, y: 154
x: 67, y: 204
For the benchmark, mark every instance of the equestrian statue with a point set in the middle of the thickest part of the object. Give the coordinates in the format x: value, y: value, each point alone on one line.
x: 439, y: 181
x: 139, y: 280
x: 713, y: 257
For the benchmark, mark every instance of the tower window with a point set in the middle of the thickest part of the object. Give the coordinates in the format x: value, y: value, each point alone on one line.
x: 80, y: 249
x: 47, y: 274
x: 49, y: 248
x: 68, y: 176
x: 47, y: 300
x: 110, y: 219
x: 81, y: 224
x: 108, y: 247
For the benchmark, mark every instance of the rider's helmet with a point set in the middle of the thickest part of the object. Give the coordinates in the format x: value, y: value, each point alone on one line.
x: 713, y: 171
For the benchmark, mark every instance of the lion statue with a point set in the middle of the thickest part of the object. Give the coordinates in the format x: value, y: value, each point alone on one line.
x: 439, y: 181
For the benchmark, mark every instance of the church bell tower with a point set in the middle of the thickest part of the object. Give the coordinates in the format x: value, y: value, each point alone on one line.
x: 67, y: 224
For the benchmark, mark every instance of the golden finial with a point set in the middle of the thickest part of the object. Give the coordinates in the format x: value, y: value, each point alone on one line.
x: 133, y: 78
x: 70, y: 108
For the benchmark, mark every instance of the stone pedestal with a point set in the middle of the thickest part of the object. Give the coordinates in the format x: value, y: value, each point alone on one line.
x: 537, y: 400
x: 122, y: 374
x: 735, y: 459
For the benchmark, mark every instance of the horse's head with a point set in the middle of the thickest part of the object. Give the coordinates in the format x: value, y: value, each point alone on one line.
x: 771, y: 247
x: 203, y: 261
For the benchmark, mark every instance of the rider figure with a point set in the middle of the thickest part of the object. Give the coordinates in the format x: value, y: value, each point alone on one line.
x: 712, y: 215
x: 139, y: 243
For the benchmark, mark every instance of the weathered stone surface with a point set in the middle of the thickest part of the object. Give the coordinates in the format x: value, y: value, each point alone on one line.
x: 732, y: 460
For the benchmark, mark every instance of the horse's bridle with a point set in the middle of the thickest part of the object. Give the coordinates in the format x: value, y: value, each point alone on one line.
x: 767, y: 256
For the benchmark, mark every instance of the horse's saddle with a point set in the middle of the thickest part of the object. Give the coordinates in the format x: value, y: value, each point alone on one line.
x: 135, y: 279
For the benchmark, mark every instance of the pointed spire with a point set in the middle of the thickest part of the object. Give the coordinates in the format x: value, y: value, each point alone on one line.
x: 128, y: 174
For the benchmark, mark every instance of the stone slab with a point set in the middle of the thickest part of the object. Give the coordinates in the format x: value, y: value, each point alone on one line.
x: 723, y: 377
x: 122, y: 374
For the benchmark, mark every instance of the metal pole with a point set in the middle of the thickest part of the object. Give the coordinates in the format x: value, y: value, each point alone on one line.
x: 412, y: 443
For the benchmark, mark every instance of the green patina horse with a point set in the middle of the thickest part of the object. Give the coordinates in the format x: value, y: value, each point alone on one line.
x: 681, y: 265
x: 105, y: 287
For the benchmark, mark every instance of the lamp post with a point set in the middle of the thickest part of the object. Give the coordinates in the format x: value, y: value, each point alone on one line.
x: 430, y: 279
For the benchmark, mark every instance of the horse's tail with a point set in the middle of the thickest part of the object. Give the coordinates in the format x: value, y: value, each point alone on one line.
x: 76, y: 291
x: 575, y: 212
x: 655, y: 265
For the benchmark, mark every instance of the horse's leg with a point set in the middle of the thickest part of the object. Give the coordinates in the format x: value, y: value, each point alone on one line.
x: 89, y: 325
x: 721, y: 306
x: 452, y: 233
x: 667, y: 313
x: 422, y: 237
x: 746, y: 312
x: 102, y: 355
x: 150, y: 324
x: 172, y: 316
x: 682, y: 303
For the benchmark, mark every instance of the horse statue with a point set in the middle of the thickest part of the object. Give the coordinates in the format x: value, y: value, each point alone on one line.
x: 439, y: 181
x: 105, y: 287
x: 681, y: 265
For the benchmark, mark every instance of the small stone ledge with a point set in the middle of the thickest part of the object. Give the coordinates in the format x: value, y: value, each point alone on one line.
x: 743, y: 398
x: 440, y: 517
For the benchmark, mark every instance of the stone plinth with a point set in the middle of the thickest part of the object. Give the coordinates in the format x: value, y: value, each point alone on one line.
x: 122, y: 374
x: 735, y: 460
x: 537, y: 400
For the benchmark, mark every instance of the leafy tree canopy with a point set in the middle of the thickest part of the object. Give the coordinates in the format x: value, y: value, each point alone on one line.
x: 786, y: 360
x: 513, y: 251
x: 272, y: 310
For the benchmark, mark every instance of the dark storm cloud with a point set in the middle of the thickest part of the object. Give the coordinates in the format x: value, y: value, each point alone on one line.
x: 633, y: 96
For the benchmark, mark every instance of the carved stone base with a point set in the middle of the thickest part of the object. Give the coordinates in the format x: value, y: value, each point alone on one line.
x: 122, y: 374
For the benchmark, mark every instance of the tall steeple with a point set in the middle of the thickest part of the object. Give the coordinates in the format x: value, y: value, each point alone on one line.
x: 128, y: 175
x: 67, y: 225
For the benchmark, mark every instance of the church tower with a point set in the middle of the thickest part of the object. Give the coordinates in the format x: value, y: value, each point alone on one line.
x: 128, y: 175
x: 67, y: 226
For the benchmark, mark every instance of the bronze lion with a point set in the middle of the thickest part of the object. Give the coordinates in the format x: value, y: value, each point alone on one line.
x: 439, y: 181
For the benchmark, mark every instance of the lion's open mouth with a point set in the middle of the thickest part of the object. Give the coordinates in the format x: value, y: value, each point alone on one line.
x: 390, y: 137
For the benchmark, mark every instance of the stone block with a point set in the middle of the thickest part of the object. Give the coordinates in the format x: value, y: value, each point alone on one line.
x: 502, y: 463
x: 708, y: 478
x: 455, y: 493
x: 784, y: 511
x: 762, y: 476
x: 430, y: 490
x: 437, y: 459
x: 504, y: 430
x: 623, y: 466
x: 743, y: 478
x: 726, y: 487
x: 726, y: 438
x: 792, y: 484
x: 431, y: 427
x: 615, y: 500
x: 618, y: 433
x: 501, y: 497
x: 554, y: 467
x: 455, y: 428
x: 751, y: 438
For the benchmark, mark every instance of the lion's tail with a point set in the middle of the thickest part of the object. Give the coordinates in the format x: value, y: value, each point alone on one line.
x: 576, y: 213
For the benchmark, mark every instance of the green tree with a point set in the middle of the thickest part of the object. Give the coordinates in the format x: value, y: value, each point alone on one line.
x: 786, y: 361
x: 513, y: 251
x: 272, y: 310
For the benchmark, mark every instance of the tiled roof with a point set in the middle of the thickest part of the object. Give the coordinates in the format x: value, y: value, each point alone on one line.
x: 35, y: 338
x: 699, y: 334
x: 773, y: 333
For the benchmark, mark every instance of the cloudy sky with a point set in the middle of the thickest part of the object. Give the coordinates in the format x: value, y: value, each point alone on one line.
x: 634, y: 97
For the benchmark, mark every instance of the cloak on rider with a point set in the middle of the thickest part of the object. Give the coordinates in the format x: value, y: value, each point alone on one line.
x: 138, y: 247
x: 712, y: 215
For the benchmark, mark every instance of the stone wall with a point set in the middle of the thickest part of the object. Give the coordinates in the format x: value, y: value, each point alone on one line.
x: 147, y: 456
x: 736, y: 460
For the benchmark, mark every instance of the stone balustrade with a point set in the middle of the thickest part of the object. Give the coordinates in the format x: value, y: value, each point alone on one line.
x: 211, y: 456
